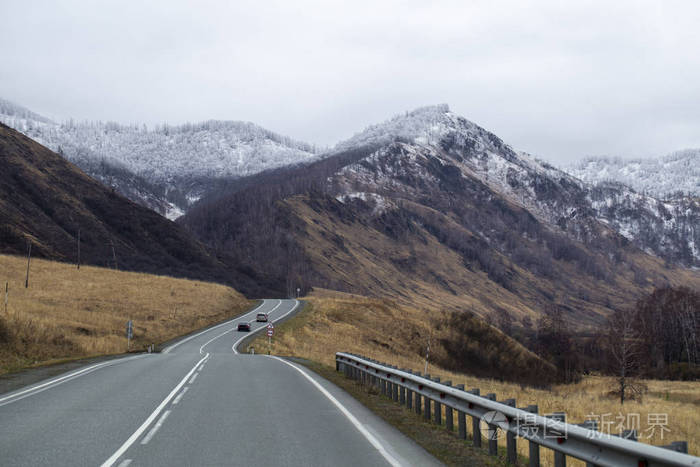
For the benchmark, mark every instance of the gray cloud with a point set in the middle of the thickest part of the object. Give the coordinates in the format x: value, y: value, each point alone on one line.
x: 558, y: 79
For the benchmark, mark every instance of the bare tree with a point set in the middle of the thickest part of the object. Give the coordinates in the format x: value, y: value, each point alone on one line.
x: 623, y: 342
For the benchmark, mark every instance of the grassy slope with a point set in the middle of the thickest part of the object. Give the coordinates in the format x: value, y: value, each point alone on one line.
x: 69, y: 313
x: 420, y: 271
x: 384, y: 331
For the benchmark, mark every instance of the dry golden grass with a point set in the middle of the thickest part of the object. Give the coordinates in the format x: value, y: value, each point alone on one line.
x: 378, y: 329
x: 68, y: 313
x: 419, y: 271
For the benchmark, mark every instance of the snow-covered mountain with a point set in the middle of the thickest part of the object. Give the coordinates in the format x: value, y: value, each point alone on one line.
x: 167, y: 167
x: 662, y: 177
x: 430, y: 208
x: 413, y: 143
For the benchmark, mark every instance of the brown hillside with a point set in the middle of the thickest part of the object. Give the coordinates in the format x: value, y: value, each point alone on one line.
x: 445, y: 215
x: 348, y: 253
x: 46, y: 200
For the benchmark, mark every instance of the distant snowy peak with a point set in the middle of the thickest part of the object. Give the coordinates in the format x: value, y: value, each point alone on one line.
x: 467, y: 143
x: 429, y: 152
x: 425, y: 125
x: 661, y: 177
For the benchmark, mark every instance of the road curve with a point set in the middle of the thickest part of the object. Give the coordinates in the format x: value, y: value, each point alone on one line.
x: 199, y: 402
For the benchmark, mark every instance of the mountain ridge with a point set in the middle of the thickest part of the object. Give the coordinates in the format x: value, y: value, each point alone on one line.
x: 148, y: 172
x: 166, y: 167
x: 451, y: 217
x: 51, y: 204
x: 534, y: 183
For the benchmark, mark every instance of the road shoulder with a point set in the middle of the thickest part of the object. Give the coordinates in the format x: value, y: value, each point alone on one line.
x: 399, y: 446
x: 443, y: 447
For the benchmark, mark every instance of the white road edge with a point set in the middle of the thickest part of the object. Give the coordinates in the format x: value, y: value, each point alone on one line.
x: 356, y: 423
x: 245, y: 316
x: 16, y: 396
x: 186, y: 339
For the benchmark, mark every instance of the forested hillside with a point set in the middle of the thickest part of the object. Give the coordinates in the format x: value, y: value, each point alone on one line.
x: 166, y: 167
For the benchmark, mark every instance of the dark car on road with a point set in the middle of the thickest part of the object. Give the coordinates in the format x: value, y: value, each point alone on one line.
x: 244, y: 326
x: 261, y: 318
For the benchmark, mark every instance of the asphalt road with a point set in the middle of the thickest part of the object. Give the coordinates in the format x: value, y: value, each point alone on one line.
x: 199, y: 402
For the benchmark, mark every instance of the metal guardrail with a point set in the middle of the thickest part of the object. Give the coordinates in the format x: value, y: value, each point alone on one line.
x: 420, y: 392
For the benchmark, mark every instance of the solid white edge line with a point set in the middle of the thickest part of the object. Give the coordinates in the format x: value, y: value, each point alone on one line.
x: 60, y: 380
x: 235, y: 344
x: 356, y: 423
x: 201, y: 349
x: 155, y: 428
x: 168, y: 349
x: 132, y: 439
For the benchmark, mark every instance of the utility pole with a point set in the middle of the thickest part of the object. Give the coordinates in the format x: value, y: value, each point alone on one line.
x: 29, y: 257
x: 114, y: 255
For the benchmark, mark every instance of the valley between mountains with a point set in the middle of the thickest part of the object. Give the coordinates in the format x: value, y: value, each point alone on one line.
x: 426, y: 209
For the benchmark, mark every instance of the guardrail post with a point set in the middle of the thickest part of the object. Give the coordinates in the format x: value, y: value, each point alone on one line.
x: 493, y: 431
x: 476, y: 430
x: 337, y: 365
x: 437, y: 407
x: 461, y: 419
x: 395, y: 389
x: 559, y: 457
x: 417, y: 398
x: 402, y: 392
x: 511, y: 447
x: 409, y: 395
x: 449, y: 413
x: 678, y: 446
x: 382, y: 383
x: 426, y: 403
x: 629, y: 434
x: 533, y: 448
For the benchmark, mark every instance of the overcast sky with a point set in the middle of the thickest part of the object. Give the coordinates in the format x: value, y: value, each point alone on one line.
x: 559, y: 79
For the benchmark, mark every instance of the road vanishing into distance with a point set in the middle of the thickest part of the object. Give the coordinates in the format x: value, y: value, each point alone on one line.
x: 199, y: 402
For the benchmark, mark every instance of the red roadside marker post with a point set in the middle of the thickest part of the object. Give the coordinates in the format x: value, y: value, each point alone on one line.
x: 270, y: 333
